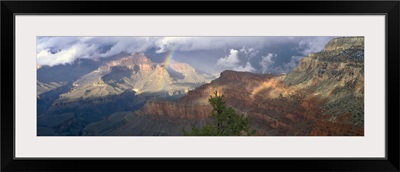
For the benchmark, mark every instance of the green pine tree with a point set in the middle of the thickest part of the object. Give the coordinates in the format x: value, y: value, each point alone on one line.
x: 226, y: 122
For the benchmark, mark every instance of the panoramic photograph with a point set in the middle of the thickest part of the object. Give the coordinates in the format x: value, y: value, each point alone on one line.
x: 200, y: 86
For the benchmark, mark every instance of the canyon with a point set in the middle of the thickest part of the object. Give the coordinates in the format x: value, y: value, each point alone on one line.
x: 129, y: 95
x: 322, y: 96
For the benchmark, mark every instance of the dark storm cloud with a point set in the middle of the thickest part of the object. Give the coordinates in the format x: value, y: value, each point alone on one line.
x: 211, y: 54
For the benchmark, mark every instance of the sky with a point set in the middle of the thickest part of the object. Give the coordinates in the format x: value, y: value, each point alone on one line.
x: 261, y: 54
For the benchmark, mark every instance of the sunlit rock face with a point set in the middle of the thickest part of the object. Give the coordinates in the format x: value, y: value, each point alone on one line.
x: 134, y: 73
x: 121, y: 83
x: 324, y: 95
x: 131, y: 95
x: 345, y: 43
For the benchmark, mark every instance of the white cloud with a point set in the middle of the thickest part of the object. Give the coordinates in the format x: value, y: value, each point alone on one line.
x: 267, y: 62
x: 232, y: 60
x: 129, y: 45
x: 249, y: 52
x: 46, y: 57
x: 247, y: 68
x: 61, y: 50
x: 167, y: 43
x: 56, y: 43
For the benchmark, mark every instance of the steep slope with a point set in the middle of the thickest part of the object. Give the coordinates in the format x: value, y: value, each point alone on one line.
x: 136, y: 73
x: 121, y: 83
x: 324, y: 95
x: 336, y: 74
x: 45, y: 87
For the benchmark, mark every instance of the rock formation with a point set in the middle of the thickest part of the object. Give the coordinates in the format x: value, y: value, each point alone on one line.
x: 323, y: 95
x: 120, y: 83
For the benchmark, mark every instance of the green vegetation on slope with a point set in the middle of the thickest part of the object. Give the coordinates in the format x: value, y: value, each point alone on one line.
x: 226, y: 122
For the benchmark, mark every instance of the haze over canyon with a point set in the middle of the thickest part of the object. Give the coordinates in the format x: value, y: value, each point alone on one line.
x: 288, y: 86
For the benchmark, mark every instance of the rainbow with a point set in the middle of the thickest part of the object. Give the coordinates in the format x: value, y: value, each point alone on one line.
x: 166, y: 63
x: 168, y: 58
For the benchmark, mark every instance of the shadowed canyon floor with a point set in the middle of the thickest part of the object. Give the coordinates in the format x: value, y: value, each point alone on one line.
x: 132, y: 96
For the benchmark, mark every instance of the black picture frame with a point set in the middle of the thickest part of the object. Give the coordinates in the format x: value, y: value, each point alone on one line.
x: 10, y: 8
